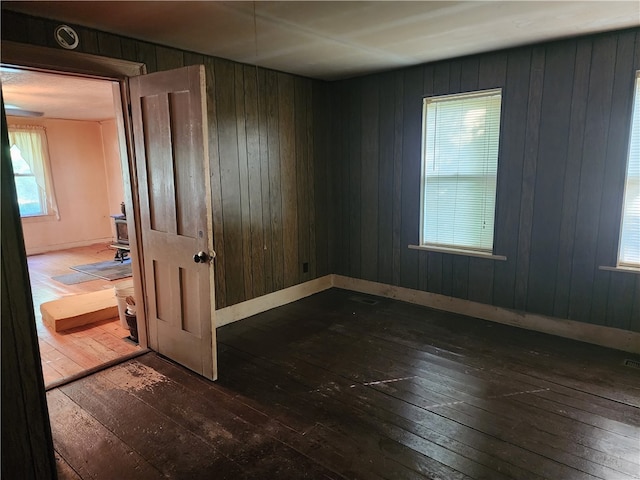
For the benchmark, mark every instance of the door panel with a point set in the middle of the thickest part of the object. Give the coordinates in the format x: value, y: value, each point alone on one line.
x: 170, y: 133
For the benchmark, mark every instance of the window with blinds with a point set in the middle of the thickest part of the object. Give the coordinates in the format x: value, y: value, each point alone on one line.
x: 459, y: 169
x: 629, y: 251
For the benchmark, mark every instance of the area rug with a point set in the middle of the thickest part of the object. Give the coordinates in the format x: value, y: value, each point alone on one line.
x: 74, y: 278
x: 111, y: 270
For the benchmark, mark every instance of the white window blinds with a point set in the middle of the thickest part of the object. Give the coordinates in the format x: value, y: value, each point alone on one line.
x: 629, y: 252
x: 459, y: 169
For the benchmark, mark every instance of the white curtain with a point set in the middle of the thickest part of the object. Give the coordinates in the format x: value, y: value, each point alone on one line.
x: 31, y: 140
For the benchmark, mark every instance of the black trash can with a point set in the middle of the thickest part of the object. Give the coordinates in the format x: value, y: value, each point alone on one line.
x: 132, y: 323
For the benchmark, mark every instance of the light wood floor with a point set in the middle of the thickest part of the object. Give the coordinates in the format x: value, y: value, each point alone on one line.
x: 331, y: 387
x: 73, y: 351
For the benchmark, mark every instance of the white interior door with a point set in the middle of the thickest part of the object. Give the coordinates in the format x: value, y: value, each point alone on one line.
x: 171, y: 140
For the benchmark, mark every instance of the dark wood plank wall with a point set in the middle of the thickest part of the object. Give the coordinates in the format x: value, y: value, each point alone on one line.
x: 268, y: 134
x: 565, y: 130
x: 27, y: 446
x: 328, y: 174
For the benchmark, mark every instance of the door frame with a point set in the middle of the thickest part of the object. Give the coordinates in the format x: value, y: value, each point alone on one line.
x: 82, y: 64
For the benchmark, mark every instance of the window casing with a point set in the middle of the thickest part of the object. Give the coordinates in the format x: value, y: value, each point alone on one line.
x: 459, y: 171
x: 629, y: 250
x: 32, y: 173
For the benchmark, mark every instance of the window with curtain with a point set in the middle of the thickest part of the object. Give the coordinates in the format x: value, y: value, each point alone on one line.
x: 31, y: 170
x: 459, y: 170
x: 629, y: 251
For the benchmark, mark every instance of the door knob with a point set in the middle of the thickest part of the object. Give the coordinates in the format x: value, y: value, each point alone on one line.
x: 201, y: 257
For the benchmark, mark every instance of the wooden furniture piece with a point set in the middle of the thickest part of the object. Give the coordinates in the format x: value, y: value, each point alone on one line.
x: 78, y: 310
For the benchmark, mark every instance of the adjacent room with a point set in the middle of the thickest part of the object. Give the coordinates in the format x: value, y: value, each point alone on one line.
x: 372, y: 240
x: 66, y: 161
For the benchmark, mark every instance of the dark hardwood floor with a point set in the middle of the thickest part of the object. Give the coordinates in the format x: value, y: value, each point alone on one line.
x: 342, y: 385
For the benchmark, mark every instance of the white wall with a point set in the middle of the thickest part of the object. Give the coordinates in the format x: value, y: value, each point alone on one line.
x: 85, y: 181
x: 112, y: 168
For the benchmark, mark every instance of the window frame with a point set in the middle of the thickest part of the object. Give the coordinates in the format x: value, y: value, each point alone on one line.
x: 41, y: 199
x: 454, y: 249
x: 46, y: 197
x: 635, y: 122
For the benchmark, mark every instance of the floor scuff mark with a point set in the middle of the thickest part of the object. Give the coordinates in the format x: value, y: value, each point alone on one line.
x: 392, y: 380
x: 520, y: 393
x: 136, y: 377
x: 429, y: 407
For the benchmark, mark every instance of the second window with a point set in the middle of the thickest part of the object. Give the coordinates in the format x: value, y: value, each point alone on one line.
x: 459, y: 170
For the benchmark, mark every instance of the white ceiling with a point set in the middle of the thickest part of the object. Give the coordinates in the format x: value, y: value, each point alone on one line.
x: 332, y: 40
x: 58, y: 96
x: 325, y: 40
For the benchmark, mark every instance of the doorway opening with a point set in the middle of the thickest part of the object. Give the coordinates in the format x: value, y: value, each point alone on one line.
x: 70, y: 202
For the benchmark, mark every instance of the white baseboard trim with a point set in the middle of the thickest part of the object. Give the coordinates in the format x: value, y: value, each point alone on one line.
x: 66, y: 246
x: 261, y: 304
x: 584, y: 332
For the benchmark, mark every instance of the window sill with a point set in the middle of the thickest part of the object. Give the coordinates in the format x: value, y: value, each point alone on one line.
x: 38, y: 218
x: 635, y: 270
x: 455, y: 251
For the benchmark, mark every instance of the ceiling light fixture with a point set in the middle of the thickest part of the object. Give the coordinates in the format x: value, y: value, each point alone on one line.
x: 19, y: 112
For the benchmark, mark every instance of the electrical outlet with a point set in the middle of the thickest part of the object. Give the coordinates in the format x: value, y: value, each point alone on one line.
x: 305, y: 267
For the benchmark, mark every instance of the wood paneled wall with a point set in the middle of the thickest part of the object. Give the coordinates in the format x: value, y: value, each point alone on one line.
x: 268, y: 160
x: 329, y: 174
x: 566, y: 113
x: 27, y: 446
